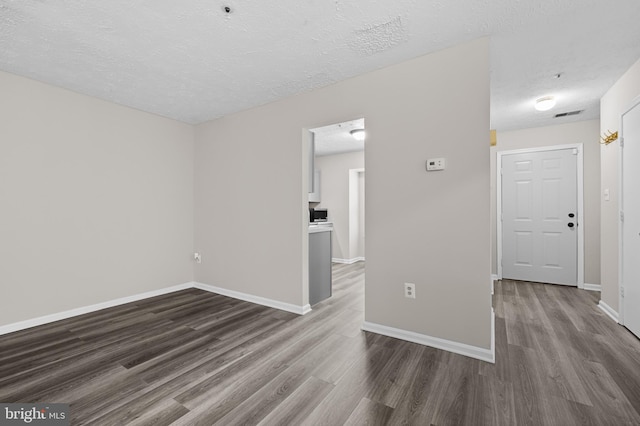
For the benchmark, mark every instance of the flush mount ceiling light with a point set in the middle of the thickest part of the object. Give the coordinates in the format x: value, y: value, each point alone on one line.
x: 358, y: 134
x: 545, y: 103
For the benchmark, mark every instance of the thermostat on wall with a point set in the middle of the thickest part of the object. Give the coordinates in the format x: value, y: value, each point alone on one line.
x: 435, y: 164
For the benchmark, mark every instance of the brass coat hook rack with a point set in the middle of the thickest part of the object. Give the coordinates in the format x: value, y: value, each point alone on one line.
x: 608, y: 138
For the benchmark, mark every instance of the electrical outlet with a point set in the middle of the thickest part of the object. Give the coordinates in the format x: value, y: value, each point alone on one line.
x: 410, y: 290
x: 197, y: 257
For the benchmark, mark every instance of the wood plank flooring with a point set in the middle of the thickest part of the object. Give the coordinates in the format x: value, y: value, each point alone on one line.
x: 195, y: 358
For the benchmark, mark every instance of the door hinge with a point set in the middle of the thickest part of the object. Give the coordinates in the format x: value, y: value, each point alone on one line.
x: 621, y: 142
x: 621, y: 216
x: 622, y: 291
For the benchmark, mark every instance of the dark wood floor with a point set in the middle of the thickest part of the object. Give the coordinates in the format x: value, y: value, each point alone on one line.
x: 195, y: 358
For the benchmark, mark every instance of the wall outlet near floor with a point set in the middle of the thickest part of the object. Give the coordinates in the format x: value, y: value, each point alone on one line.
x: 410, y: 290
x: 197, y: 257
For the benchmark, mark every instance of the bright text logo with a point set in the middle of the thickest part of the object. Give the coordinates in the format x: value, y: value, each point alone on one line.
x: 36, y: 414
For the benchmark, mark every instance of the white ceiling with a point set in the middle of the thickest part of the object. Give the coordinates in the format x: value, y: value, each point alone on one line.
x: 193, y: 62
x: 336, y: 139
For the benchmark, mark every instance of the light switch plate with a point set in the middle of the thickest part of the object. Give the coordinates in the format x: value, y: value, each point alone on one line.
x: 435, y: 164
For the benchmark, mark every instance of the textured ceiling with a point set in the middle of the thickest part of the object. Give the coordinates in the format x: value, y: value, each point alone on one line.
x: 336, y: 139
x: 192, y: 61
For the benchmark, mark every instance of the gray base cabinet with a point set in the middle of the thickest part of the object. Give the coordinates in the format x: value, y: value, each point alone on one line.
x: 319, y: 266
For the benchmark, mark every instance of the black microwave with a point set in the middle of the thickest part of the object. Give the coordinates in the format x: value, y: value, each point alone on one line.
x: 317, y: 215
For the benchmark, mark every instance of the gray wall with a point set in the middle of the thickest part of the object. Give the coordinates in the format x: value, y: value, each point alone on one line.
x: 585, y: 132
x: 96, y: 200
x: 418, y: 224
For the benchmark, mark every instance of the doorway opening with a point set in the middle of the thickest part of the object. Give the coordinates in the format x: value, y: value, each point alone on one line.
x: 337, y: 198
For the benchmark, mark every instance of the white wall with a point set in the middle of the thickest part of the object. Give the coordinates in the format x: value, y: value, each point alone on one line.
x: 335, y: 198
x: 585, y: 132
x: 96, y: 200
x: 418, y: 226
x: 612, y: 105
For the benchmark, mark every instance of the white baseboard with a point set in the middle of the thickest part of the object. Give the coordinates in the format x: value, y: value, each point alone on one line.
x: 592, y: 287
x: 347, y: 261
x: 22, y: 325
x: 296, y: 309
x: 609, y: 311
x: 493, y: 337
x: 482, y: 354
x: 494, y: 277
x: 447, y: 345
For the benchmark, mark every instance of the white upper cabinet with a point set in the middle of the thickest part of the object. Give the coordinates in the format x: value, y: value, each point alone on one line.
x: 314, y: 197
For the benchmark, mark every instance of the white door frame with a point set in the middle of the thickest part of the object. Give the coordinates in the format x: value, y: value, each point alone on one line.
x: 580, y: 189
x: 354, y: 193
x: 634, y: 103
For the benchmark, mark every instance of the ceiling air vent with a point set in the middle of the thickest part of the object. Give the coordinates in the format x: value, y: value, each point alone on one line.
x: 567, y: 114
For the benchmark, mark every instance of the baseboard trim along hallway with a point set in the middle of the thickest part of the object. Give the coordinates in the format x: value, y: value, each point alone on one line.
x: 455, y: 347
x: 46, y: 319
x: 289, y: 307
x: 482, y: 354
x: 611, y: 313
x: 592, y: 287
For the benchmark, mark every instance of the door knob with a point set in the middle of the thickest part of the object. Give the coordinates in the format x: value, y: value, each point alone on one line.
x: 570, y: 224
x: 571, y: 215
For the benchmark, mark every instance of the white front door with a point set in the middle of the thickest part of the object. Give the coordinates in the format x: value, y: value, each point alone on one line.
x: 631, y: 222
x: 540, y: 216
